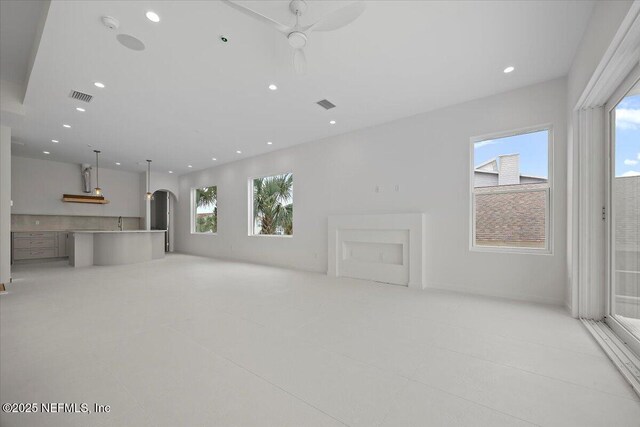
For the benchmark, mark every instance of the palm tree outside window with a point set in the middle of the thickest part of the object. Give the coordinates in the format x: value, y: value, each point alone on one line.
x: 273, y: 205
x: 206, y: 210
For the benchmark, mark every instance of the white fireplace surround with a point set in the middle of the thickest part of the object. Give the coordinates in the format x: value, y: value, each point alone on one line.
x: 387, y: 248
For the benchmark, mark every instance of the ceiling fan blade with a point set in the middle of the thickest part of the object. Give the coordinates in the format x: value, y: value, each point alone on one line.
x: 300, y: 61
x: 255, y: 15
x: 338, y: 18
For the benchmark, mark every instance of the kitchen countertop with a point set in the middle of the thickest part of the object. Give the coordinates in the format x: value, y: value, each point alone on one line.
x: 83, y: 231
x: 116, y: 231
x: 113, y: 247
x: 40, y: 231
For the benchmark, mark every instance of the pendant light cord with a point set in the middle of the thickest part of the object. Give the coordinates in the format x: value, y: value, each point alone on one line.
x: 148, y: 177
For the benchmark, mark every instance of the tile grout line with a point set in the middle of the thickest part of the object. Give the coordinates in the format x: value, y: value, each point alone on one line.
x: 393, y: 401
x: 508, y: 337
x: 475, y: 357
x: 542, y: 375
x: 462, y: 353
x: 474, y: 402
x: 382, y: 370
x: 409, y: 379
x: 258, y: 376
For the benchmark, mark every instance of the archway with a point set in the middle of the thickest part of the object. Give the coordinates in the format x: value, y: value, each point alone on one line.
x: 162, y: 215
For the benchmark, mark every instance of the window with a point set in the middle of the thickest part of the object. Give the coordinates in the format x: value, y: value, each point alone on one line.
x: 205, y: 210
x: 511, y: 192
x: 624, y: 217
x: 272, y: 205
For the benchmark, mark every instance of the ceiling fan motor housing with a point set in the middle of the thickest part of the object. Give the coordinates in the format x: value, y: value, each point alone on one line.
x: 297, y: 39
x: 296, y: 34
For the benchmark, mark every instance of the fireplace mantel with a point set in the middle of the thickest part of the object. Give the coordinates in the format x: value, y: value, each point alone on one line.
x: 384, y: 248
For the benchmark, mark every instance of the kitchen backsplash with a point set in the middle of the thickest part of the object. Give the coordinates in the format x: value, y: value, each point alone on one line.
x: 71, y: 222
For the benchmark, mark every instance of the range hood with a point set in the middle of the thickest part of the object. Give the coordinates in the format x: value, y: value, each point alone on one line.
x: 85, y: 170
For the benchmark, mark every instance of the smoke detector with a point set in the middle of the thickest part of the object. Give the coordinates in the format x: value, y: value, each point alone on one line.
x: 110, y: 22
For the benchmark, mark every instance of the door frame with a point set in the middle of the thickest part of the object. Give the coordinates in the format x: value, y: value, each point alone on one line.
x: 618, y: 95
x: 587, y: 256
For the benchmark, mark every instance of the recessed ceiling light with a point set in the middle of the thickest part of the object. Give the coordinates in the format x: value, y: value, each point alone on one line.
x: 98, y: 84
x: 189, y: 166
x: 55, y: 141
x: 214, y: 159
x: 509, y: 69
x: 152, y: 16
x: 238, y: 151
x: 118, y: 163
x: 332, y: 122
x: 81, y: 109
x: 269, y: 143
x: 46, y: 152
x: 66, y: 125
x: 170, y: 171
x: 273, y: 87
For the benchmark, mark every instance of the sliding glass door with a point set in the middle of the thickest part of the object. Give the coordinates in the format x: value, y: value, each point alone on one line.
x: 624, y: 211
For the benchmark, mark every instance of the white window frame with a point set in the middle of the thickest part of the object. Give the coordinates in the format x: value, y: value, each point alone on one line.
x: 618, y: 95
x: 548, y: 249
x: 250, y: 210
x: 192, y: 208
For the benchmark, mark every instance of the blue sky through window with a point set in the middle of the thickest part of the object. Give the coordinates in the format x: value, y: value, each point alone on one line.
x: 532, y: 147
x: 627, y: 145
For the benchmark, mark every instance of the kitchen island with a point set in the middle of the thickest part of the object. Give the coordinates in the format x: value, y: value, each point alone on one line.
x: 114, y: 247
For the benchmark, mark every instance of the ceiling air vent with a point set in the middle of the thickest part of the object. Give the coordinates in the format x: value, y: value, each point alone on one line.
x: 327, y: 105
x: 80, y: 96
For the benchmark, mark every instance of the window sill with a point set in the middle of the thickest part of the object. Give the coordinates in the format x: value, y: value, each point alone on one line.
x: 197, y: 233
x: 510, y: 250
x: 281, y: 236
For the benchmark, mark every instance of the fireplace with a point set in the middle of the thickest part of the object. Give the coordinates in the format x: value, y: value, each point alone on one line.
x: 385, y: 248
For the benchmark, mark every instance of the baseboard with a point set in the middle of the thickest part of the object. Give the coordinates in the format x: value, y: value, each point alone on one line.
x: 568, y: 307
x: 459, y: 289
x: 248, y: 261
x: 511, y: 297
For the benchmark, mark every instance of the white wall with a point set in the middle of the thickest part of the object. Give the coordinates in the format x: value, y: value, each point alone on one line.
x: 165, y: 181
x: 601, y: 29
x: 427, y: 156
x: 37, y: 187
x: 5, y: 203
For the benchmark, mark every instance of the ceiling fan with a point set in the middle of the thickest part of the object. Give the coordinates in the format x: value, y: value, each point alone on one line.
x: 298, y: 35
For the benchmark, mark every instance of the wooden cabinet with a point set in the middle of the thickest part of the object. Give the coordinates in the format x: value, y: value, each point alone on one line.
x: 63, y: 244
x: 35, y: 242
x: 39, y: 244
x: 30, y: 234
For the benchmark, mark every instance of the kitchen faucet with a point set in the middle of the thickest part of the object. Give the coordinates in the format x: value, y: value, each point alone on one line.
x: 120, y: 223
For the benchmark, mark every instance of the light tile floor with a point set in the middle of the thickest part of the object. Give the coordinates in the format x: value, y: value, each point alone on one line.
x: 190, y: 341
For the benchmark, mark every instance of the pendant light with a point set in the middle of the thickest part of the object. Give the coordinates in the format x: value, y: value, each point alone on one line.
x: 149, y: 195
x: 97, y: 190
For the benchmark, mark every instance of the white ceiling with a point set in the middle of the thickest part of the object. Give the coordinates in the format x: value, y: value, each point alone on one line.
x: 189, y: 97
x: 18, y: 26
